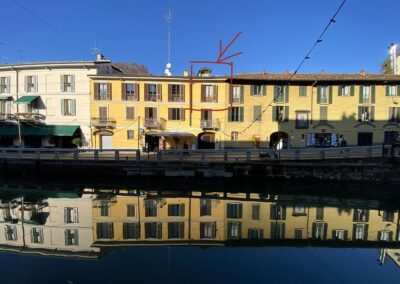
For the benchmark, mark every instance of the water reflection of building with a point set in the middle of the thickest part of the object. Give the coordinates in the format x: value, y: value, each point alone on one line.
x: 216, y: 217
x: 59, y: 225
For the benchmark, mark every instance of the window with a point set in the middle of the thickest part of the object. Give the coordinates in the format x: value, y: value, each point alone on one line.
x: 298, y: 234
x: 346, y: 91
x: 360, y: 232
x: 258, y: 90
x: 323, y: 114
x: 391, y: 91
x: 255, y: 234
x: 277, y: 212
x: 130, y: 134
x: 130, y: 92
x: 67, y: 83
x: 234, y: 230
x: 4, y: 85
x: 11, y: 233
x: 102, y: 91
x: 234, y: 210
x: 324, y: 95
x: 237, y: 95
x: 176, y: 93
x: 131, y: 231
x: 235, y: 114
x: 130, y: 210
x: 339, y: 235
x: 257, y: 113
x: 71, y: 237
x: 367, y: 94
x: 255, y: 212
x: 31, y: 84
x: 150, y: 207
x: 280, y: 113
x: 150, y: 112
x: 303, y: 91
x: 37, y: 235
x: 234, y: 136
x: 104, y: 209
x: 105, y: 230
x: 176, y: 209
x: 176, y: 230
x: 361, y: 215
x: 319, y: 214
x: 68, y: 107
x: 366, y: 113
x: 281, y: 94
x: 209, y: 94
x: 153, y: 230
x: 130, y: 113
x: 388, y: 216
x: 71, y: 215
x: 277, y: 230
x: 205, y: 207
x: 394, y: 114
x: 301, y: 120
x: 318, y: 230
x: 207, y: 230
x: 176, y: 114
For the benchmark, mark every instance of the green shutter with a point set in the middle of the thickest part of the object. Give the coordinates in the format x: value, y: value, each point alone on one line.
x: 274, y: 113
x: 318, y: 94
x: 241, y: 114
x: 286, y: 114
x: 283, y: 213
x: 229, y: 114
x: 373, y: 94
x: 287, y: 94
x: 72, y: 83
x: 359, y: 113
x: 276, y: 93
x: 330, y: 94
x: 62, y: 107
x: 263, y: 90
x: 62, y: 82
x: 398, y: 90
x: 365, y: 232
x: 352, y: 90
x: 325, y: 230
x: 241, y: 94
x: 387, y: 90
x: 360, y: 94
x: 340, y: 88
x: 73, y: 107
x: 372, y: 113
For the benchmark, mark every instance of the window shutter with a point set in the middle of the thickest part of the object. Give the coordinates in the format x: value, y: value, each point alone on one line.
x: 159, y: 92
x: 240, y: 230
x: 203, y: 93
x: 276, y: 93
x: 73, y: 107
x: 345, y: 235
x: 318, y: 94
x: 169, y: 92
x: 62, y: 107
x: 286, y: 118
x: 287, y: 93
x: 372, y: 113
x: 365, y: 232
x: 229, y: 114
x: 215, y: 93
x: 182, y: 209
x: 109, y: 91
x: 361, y: 94
x: 272, y: 212
x: 26, y: 84
x: 66, y: 237
x: 182, y: 93
x: 96, y: 91
x: 252, y: 87
x: 241, y: 114
x: 387, y: 90
x: 330, y: 94
x: 264, y: 90
x: 65, y: 215
x: 391, y: 110
x: 111, y: 230
x: 325, y: 230
x: 72, y: 83
x: 137, y: 92
x: 366, y: 215
x: 352, y: 90
x: 359, y: 113
x: 274, y: 113
x: 283, y: 213
x: 240, y: 212
x: 340, y: 90
x: 241, y: 94
x: 159, y: 230
x: 373, y: 94
x: 123, y: 91
x: 35, y: 82
x: 169, y: 113
x: 62, y: 83
x: 398, y: 90
x: 146, y: 92
x: 182, y: 114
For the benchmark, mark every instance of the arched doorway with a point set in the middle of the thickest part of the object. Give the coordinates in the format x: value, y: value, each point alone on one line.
x: 206, y: 140
x: 279, y: 140
x: 105, y: 138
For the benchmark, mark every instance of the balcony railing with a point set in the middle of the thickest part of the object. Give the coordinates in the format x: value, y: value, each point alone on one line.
x: 4, y: 117
x: 103, y: 122
x: 30, y: 116
x: 155, y: 123
x: 210, y: 124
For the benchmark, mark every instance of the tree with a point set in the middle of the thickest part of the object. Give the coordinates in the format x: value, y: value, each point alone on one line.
x: 132, y: 68
x: 386, y: 66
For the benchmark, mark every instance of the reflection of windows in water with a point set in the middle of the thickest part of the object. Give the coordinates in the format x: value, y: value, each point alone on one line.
x: 360, y: 215
x: 277, y: 230
x: 384, y: 236
x: 205, y: 207
x: 388, y: 216
x: 234, y: 210
x: 207, y: 230
x: 255, y: 234
x: 11, y: 233
x: 234, y: 230
x: 278, y: 212
x: 299, y: 210
x: 338, y: 235
x: 359, y: 232
x: 318, y: 230
x: 298, y: 234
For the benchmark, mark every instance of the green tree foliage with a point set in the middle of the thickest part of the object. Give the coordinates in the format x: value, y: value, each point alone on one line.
x: 132, y: 68
x: 386, y: 66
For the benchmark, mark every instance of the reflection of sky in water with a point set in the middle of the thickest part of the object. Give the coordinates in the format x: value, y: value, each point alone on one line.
x: 205, y: 265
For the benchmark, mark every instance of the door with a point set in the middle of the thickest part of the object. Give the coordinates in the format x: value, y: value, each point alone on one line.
x: 364, y: 139
x: 106, y: 142
x: 390, y: 137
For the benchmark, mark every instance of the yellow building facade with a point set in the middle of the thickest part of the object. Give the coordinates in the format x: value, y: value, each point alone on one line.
x: 256, y: 111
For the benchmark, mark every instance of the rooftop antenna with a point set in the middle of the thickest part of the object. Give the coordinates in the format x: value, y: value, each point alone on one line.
x: 393, y: 57
x: 168, y: 66
x: 95, y: 49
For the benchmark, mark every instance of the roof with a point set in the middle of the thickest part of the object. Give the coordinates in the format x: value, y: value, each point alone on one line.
x: 53, y: 64
x: 39, y: 130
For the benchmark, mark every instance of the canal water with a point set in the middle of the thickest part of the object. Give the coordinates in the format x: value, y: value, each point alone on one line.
x: 198, y: 234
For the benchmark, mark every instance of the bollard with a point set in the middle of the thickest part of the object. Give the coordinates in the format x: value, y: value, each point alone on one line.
x: 96, y: 154
x: 137, y: 155
x: 248, y: 156
x: 116, y: 155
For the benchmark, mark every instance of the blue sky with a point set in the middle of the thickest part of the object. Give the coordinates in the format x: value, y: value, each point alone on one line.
x: 276, y: 34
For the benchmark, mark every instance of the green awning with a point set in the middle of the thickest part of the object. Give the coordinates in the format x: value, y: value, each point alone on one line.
x: 39, y: 130
x: 5, y: 98
x: 26, y: 99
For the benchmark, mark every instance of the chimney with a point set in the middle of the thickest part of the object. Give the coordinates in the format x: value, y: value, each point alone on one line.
x: 322, y: 72
x: 362, y: 72
x: 185, y: 73
x: 204, y: 72
x: 99, y: 57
